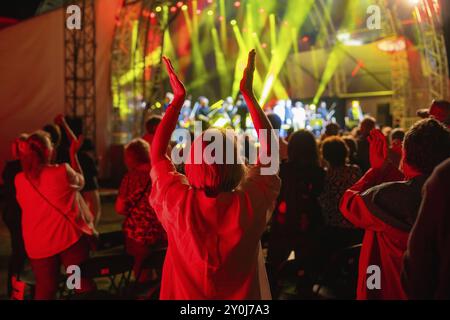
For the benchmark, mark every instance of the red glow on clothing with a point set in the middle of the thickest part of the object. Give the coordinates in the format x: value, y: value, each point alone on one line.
x: 282, y: 207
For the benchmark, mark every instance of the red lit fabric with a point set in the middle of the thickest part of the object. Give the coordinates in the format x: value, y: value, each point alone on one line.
x: 47, y: 232
x: 214, y: 249
x: 383, y: 245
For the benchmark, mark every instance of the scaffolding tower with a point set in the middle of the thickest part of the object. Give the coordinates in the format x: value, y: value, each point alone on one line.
x: 79, y: 69
x: 432, y: 46
x: 400, y: 76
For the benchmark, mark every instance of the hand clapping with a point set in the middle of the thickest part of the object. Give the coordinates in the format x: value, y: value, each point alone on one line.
x: 179, y: 91
x: 246, y: 85
x: 378, y: 149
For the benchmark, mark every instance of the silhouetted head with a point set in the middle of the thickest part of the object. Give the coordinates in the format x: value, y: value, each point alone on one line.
x: 367, y: 125
x: 426, y: 145
x: 335, y: 151
x: 137, y: 153
x: 152, y: 123
x: 55, y: 134
x: 275, y: 120
x: 302, y: 148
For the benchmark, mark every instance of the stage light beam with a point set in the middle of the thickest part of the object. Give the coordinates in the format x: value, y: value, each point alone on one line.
x: 296, y: 18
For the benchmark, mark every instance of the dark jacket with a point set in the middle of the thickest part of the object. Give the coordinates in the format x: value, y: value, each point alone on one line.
x: 426, y: 271
x: 387, y: 212
x: 362, y: 153
x: 298, y: 208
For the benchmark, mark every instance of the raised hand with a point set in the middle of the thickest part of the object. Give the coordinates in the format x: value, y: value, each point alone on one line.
x: 59, y: 119
x: 378, y: 149
x: 246, y: 85
x: 179, y: 91
x: 168, y: 123
x: 76, y: 144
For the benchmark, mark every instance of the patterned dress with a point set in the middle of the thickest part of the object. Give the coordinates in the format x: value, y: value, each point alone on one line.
x: 337, y: 181
x: 141, y: 223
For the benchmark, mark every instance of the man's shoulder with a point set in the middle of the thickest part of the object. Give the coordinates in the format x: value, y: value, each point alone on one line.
x: 397, y: 202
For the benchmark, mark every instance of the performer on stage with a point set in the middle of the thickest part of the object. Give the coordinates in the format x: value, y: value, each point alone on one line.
x: 185, y: 113
x: 298, y: 116
x: 322, y: 110
x: 242, y: 112
x: 280, y: 110
x: 354, y: 115
x: 167, y: 101
x: 201, y: 109
x: 229, y: 107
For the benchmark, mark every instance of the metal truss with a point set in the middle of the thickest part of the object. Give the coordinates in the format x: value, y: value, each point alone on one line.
x: 432, y: 45
x: 400, y: 75
x: 79, y: 70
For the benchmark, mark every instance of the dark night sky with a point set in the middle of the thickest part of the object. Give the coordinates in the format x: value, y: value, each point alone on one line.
x: 18, y: 9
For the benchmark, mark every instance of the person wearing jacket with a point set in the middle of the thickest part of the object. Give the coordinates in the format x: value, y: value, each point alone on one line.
x: 426, y: 266
x: 386, y: 205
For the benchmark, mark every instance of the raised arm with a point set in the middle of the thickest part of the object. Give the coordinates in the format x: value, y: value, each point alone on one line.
x: 75, y: 143
x: 170, y: 119
x: 354, y: 202
x: 259, y: 118
x: 74, y: 148
x: 60, y: 120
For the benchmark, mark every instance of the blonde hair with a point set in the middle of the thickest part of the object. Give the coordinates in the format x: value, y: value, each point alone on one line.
x: 35, y: 154
x: 214, y: 178
x: 139, y: 151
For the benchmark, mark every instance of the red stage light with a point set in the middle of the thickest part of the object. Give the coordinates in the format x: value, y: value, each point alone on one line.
x: 237, y: 4
x: 357, y: 68
x: 173, y: 9
x: 305, y: 39
x: 264, y: 45
x: 179, y: 4
x: 152, y: 15
x: 199, y: 11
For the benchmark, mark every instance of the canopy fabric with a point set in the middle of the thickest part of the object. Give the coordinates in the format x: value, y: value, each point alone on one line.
x: 32, y: 75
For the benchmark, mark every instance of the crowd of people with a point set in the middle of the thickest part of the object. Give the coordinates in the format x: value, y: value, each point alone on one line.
x: 384, y: 189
